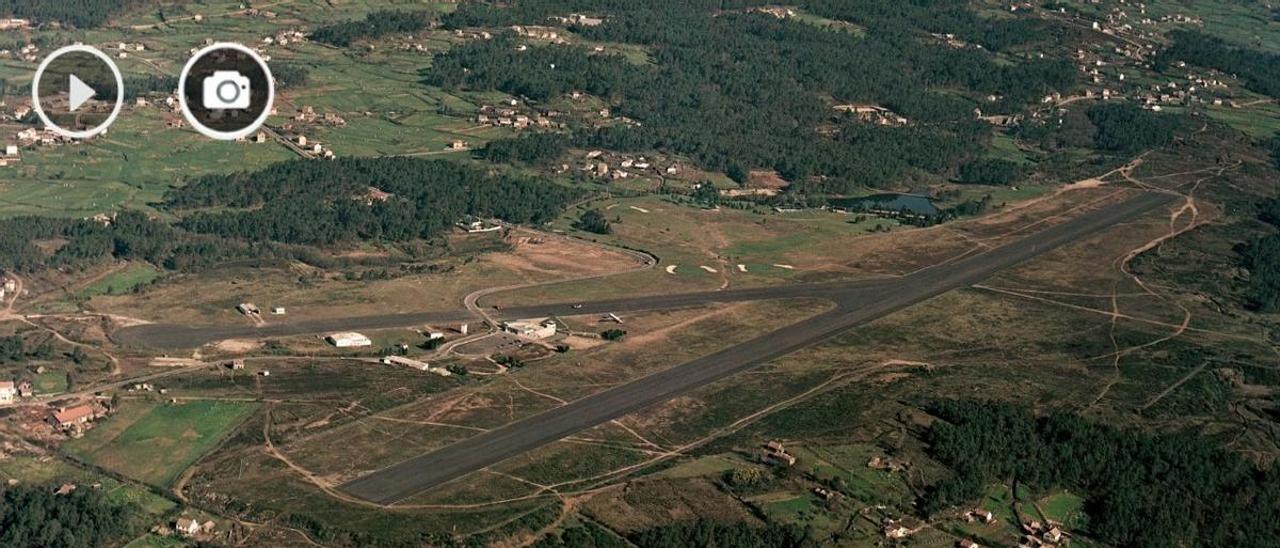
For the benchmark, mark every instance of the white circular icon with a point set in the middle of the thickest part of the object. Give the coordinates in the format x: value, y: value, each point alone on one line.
x: 225, y: 91
x: 78, y: 92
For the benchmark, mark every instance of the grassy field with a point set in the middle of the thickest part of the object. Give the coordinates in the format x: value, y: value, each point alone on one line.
x: 124, y: 280
x: 155, y: 443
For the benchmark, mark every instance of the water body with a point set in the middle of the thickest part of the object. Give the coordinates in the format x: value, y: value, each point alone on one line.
x: 909, y: 203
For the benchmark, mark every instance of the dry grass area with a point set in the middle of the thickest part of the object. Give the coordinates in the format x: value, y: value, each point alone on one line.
x: 655, y: 341
x: 310, y: 293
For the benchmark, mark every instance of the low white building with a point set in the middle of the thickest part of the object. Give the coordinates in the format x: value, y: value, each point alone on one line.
x: 535, y: 329
x: 349, y: 339
x: 8, y: 391
x: 11, y: 150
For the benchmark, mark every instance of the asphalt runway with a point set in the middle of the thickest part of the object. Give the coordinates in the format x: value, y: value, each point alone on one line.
x: 177, y: 337
x: 856, y: 305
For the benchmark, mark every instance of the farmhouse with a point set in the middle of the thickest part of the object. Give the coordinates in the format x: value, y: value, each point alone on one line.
x: 348, y: 339
x: 71, y: 417
x: 535, y: 329
x: 187, y: 527
x: 8, y: 391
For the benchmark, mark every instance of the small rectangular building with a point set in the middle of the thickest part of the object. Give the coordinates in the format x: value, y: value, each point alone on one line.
x: 8, y: 391
x: 348, y: 339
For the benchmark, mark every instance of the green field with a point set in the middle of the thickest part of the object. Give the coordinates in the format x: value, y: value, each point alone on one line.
x: 50, y: 382
x: 122, y: 281
x: 155, y: 443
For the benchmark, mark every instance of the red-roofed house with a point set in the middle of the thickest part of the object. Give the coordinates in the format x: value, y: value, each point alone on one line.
x: 69, y: 417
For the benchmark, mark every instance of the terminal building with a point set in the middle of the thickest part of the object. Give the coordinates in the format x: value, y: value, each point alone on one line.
x: 536, y: 329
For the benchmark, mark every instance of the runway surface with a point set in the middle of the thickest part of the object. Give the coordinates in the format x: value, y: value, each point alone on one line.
x: 856, y: 304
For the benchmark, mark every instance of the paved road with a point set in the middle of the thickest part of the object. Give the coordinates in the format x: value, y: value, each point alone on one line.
x: 855, y: 306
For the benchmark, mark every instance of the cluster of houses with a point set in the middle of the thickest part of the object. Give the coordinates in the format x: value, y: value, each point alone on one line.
x: 512, y: 117
x: 1041, y: 535
x: 10, y: 391
x: 14, y: 24
x: 29, y: 53
x: 874, y: 114
x: 578, y: 19
x: 548, y: 34
x: 775, y: 453
x: 307, y: 115
x: 123, y: 49
x: 285, y: 37
x: 614, y: 166
x: 44, y: 137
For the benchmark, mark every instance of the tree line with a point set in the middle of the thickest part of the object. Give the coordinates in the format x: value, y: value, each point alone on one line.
x: 1261, y: 257
x: 77, y: 13
x: 287, y: 211
x: 34, y: 515
x: 375, y: 24
x: 350, y: 199
x: 1139, y: 489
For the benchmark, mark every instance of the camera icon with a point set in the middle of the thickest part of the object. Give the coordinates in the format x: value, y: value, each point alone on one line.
x: 226, y: 90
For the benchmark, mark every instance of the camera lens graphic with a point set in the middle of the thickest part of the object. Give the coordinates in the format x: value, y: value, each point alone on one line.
x: 228, y: 92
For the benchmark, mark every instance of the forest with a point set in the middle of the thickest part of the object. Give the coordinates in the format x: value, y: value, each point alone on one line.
x: 1259, y: 70
x: 681, y: 534
x: 1140, y: 489
x: 1261, y: 258
x: 375, y: 24
x: 34, y: 515
x: 740, y: 91
x: 77, y: 13
x: 263, y: 213
x: 392, y: 199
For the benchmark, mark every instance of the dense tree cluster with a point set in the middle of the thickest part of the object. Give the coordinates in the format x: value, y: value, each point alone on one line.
x: 1262, y: 258
x: 592, y: 220
x: 990, y: 171
x: 722, y: 535
x: 78, y: 13
x: 679, y: 535
x: 739, y: 91
x: 36, y: 516
x: 1123, y: 127
x: 533, y: 148
x: 14, y: 349
x: 375, y: 24
x: 1140, y: 490
x: 1260, y: 70
x: 394, y: 199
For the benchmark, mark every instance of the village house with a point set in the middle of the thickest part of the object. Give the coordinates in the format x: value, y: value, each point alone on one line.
x: 187, y: 527
x: 67, y: 418
x: 8, y: 391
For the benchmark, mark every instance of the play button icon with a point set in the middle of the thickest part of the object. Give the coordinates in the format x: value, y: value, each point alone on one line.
x: 77, y: 92
x: 80, y: 93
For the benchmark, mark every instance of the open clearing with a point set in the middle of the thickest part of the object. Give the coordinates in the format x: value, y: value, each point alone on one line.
x: 154, y: 443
